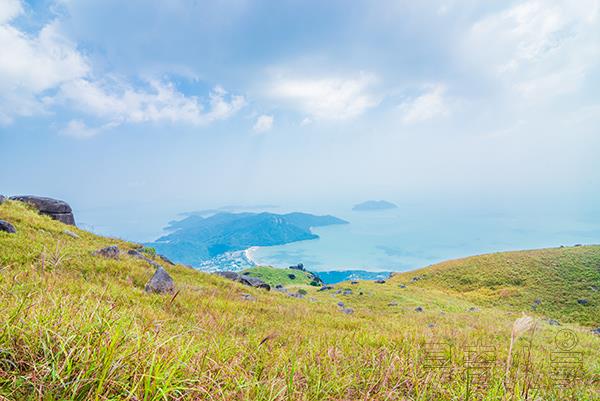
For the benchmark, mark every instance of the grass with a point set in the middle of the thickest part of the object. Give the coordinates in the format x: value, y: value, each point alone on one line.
x: 74, y: 326
x: 274, y: 276
x: 547, y: 282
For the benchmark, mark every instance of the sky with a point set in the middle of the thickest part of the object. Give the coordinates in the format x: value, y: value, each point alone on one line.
x: 198, y: 104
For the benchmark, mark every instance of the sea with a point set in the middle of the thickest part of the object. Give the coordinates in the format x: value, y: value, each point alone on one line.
x: 392, y: 240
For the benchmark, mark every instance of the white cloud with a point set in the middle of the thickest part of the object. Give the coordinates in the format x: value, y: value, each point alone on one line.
x: 429, y: 105
x: 9, y: 9
x: 305, y: 121
x: 327, y: 98
x: 539, y: 49
x: 263, y: 123
x: 120, y: 103
x: 45, y: 70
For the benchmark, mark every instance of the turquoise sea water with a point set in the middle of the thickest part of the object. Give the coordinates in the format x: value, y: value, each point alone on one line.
x: 392, y: 240
x: 400, y: 240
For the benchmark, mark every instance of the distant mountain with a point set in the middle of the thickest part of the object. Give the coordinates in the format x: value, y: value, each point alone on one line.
x: 374, y: 205
x: 196, y: 239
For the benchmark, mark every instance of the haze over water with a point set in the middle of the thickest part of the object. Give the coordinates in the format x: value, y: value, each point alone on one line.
x: 391, y: 240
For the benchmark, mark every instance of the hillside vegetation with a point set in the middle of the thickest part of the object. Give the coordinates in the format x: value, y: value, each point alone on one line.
x: 77, y: 326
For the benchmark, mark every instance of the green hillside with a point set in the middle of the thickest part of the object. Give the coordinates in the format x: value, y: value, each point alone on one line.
x: 548, y: 282
x: 78, y: 326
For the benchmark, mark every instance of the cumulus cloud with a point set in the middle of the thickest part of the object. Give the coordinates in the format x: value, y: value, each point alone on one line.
x: 327, y: 98
x: 263, y: 123
x: 40, y: 71
x: 432, y: 103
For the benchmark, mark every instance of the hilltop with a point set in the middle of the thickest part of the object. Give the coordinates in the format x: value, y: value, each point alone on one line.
x: 76, y: 325
x: 196, y: 239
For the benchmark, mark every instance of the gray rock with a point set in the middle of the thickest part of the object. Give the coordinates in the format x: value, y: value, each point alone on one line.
x: 2, y: 199
x: 292, y: 276
x: 596, y: 331
x: 56, y: 209
x: 354, y: 282
x: 340, y: 304
x: 229, y: 275
x: 165, y: 259
x: 139, y: 255
x: 325, y: 288
x: 473, y: 309
x: 71, y: 234
x: 248, y: 297
x: 537, y: 301
x: 553, y: 322
x: 110, y: 252
x: 380, y: 281
x: 7, y: 227
x: 296, y: 295
x: 583, y: 301
x: 431, y: 325
x: 160, y: 283
x: 393, y: 303
x: 254, y: 282
x: 402, y: 286
x: 299, y: 266
x: 418, y: 309
x: 347, y: 311
x: 594, y: 288
x: 347, y: 291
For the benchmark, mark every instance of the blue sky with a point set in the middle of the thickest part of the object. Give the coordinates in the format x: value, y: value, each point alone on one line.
x: 206, y: 103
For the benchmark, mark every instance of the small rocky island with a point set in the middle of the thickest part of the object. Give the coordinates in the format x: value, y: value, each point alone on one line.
x: 371, y: 205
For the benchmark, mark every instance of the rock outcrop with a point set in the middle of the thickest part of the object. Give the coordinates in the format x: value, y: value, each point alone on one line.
x: 2, y: 199
x: 110, y: 252
x: 244, y: 279
x: 160, y: 283
x: 7, y: 227
x: 56, y: 209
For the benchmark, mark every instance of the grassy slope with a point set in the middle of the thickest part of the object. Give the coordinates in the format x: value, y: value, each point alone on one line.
x: 556, y: 278
x: 274, y: 276
x: 74, y: 326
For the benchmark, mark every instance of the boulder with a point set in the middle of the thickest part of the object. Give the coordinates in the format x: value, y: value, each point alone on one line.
x: 299, y: 266
x: 553, y: 322
x: 583, y: 301
x: 292, y: 276
x: 402, y: 286
x: 254, y: 282
x: 160, y: 282
x: 248, y: 297
x: 347, y: 311
x: 419, y: 309
x: 7, y: 227
x: 110, y: 252
x: 347, y: 291
x: 325, y: 288
x: 354, y: 282
x: 56, y: 209
x: 393, y: 303
x: 596, y: 331
x: 296, y: 295
x: 229, y: 275
x: 139, y: 255
x: 380, y: 281
x: 165, y: 259
x: 2, y: 199
x: 340, y: 304
x: 473, y: 309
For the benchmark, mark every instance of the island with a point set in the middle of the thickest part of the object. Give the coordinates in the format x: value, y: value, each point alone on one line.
x: 371, y: 205
x: 196, y: 239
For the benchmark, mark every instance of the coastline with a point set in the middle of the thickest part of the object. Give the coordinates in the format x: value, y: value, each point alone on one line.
x: 249, y: 254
